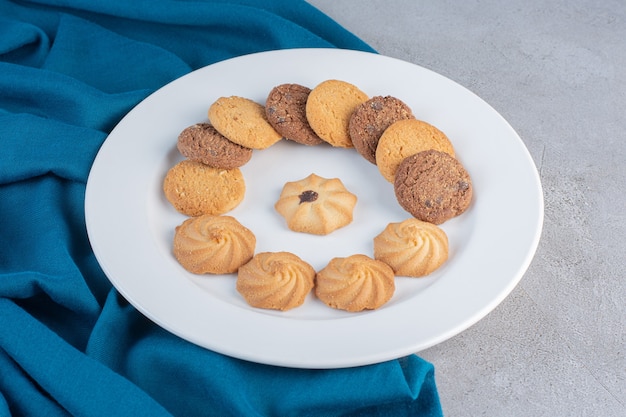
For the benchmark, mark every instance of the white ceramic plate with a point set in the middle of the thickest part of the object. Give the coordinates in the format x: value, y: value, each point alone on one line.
x: 131, y: 225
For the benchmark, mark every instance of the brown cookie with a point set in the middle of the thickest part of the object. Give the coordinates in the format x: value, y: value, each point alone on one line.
x: 285, y: 109
x: 433, y: 186
x: 371, y: 119
x: 329, y: 108
x: 203, y: 143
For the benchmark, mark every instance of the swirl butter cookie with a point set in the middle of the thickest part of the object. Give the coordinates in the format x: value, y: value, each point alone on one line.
x: 412, y: 248
x: 243, y: 121
x: 433, y: 186
x: 355, y: 283
x: 194, y: 188
x: 405, y: 138
x: 203, y: 143
x: 370, y: 119
x: 329, y: 108
x: 213, y: 244
x: 275, y: 280
x: 285, y: 109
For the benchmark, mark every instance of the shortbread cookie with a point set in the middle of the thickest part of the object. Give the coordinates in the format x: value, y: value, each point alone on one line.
x: 203, y: 143
x: 329, y: 108
x: 243, y: 121
x: 433, y: 186
x: 370, y: 119
x: 194, y: 188
x: 405, y: 138
x: 275, y: 280
x: 213, y: 244
x: 355, y: 283
x: 316, y: 205
x: 285, y: 109
x: 412, y: 248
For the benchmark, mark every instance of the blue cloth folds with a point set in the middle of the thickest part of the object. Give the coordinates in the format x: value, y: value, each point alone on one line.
x: 69, y: 343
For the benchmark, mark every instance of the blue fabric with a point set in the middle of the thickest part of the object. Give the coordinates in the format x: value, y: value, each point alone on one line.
x: 69, y: 344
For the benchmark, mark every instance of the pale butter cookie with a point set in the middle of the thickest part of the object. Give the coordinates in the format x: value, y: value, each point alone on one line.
x: 194, y: 188
x: 412, y: 248
x: 329, y: 108
x: 275, y: 280
x: 243, y: 121
x: 213, y: 244
x: 355, y: 283
x: 405, y: 138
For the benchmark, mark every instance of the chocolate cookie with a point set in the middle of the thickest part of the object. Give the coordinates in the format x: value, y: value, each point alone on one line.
x: 370, y: 119
x: 285, y: 109
x: 203, y: 143
x: 433, y: 186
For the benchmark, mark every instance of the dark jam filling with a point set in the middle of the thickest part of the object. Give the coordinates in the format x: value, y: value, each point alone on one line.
x: 308, y: 196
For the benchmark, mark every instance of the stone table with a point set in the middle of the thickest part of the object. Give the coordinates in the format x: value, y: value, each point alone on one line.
x: 557, y: 72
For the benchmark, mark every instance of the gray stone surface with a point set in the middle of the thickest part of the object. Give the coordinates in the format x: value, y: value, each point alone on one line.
x: 557, y: 72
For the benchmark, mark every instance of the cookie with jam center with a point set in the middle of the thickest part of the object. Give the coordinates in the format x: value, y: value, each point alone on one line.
x: 316, y: 205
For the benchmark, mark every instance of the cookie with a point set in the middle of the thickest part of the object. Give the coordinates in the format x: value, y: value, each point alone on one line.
x: 213, y: 244
x: 433, y: 186
x: 355, y: 283
x: 194, y: 188
x: 316, y: 205
x: 275, y: 280
x: 412, y: 248
x: 329, y: 108
x: 370, y: 119
x: 285, y: 109
x: 405, y: 138
x: 243, y: 121
x: 203, y: 143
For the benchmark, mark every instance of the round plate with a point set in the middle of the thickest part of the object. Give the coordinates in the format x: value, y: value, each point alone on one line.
x: 131, y: 224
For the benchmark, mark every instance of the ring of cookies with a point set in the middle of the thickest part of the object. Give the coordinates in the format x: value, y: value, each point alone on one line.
x: 429, y: 182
